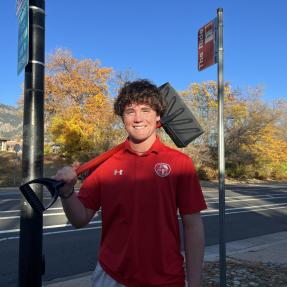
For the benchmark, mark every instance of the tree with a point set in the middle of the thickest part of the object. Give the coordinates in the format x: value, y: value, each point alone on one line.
x: 78, y: 107
x: 255, y: 138
x: 266, y: 139
x: 202, y: 100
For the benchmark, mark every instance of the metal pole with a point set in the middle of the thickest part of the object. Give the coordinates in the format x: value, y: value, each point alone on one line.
x: 15, y: 170
x: 31, y: 265
x: 221, y: 156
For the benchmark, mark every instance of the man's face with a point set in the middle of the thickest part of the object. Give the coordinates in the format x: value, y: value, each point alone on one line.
x: 140, y: 122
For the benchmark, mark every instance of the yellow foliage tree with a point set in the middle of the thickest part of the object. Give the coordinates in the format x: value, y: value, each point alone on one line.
x: 79, y: 113
x: 267, y: 138
x: 255, y: 137
x: 202, y: 100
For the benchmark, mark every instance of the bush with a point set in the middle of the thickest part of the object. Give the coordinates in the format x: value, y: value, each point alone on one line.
x: 206, y: 173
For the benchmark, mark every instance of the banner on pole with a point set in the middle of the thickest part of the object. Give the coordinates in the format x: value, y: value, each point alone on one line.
x: 23, y: 34
x: 207, y: 45
x: 19, y: 5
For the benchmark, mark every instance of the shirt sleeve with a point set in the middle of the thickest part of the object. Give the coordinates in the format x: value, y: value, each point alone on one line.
x: 90, y: 192
x: 190, y: 198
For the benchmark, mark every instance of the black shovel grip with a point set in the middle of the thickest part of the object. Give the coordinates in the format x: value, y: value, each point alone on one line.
x: 32, y: 198
x: 53, y: 187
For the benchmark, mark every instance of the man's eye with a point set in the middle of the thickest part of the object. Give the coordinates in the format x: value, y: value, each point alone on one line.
x: 128, y: 112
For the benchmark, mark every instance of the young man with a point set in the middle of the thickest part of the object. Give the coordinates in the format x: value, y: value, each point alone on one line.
x: 140, y: 191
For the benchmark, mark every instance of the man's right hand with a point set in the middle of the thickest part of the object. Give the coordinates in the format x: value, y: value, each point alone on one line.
x: 76, y: 212
x: 69, y: 176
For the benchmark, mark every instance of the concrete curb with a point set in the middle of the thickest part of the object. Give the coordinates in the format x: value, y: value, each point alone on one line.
x: 262, y: 248
x: 80, y: 280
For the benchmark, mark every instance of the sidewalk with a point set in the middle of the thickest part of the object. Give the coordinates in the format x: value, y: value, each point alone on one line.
x: 269, y: 248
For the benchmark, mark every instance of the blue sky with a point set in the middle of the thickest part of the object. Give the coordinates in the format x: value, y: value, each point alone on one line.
x: 157, y: 39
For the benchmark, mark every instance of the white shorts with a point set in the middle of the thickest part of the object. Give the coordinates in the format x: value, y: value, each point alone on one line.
x: 101, y: 279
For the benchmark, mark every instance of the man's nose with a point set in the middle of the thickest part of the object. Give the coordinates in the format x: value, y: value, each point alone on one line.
x: 138, y: 117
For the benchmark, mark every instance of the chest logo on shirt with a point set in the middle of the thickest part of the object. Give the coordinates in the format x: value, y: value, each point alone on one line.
x: 162, y: 169
x: 118, y: 172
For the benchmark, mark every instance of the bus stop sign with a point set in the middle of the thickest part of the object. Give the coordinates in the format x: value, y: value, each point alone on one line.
x: 207, y: 50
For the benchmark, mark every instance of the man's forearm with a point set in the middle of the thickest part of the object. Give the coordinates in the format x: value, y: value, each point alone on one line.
x: 194, y: 252
x: 75, y: 211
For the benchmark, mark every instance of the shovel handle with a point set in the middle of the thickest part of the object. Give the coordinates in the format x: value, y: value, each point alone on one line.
x: 93, y: 163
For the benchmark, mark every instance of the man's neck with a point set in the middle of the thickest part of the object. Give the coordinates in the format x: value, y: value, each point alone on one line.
x: 141, y: 147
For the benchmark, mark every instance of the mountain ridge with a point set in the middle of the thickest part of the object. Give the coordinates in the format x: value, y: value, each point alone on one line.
x: 10, y: 122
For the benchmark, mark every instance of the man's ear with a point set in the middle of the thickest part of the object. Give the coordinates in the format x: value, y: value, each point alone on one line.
x: 158, y: 124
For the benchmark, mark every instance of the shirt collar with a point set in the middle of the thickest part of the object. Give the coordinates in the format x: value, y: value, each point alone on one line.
x: 155, y: 148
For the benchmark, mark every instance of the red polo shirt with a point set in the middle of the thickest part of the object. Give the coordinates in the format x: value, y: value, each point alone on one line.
x: 140, y: 197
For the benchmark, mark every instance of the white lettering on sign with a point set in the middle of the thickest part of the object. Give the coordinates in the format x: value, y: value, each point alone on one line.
x: 200, y: 42
x: 208, y: 35
x: 200, y: 60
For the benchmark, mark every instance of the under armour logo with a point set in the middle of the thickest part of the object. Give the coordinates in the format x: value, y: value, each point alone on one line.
x: 118, y: 172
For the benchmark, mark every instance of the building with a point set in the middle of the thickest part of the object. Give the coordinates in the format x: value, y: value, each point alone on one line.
x: 3, y: 144
x: 10, y: 145
x: 14, y: 145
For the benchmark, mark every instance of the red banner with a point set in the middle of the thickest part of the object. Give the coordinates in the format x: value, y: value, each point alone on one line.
x: 206, y: 45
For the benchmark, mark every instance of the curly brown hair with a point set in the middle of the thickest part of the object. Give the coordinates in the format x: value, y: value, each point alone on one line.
x: 139, y: 92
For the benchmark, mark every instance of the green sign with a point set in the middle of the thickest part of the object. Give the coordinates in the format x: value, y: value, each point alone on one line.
x: 23, y: 35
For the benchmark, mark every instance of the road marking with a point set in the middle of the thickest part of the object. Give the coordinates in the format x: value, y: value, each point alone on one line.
x: 209, y: 210
x: 228, y: 199
x: 19, y: 198
x: 204, y: 214
x: 246, y: 211
x: 55, y: 232
x: 18, y: 210
x: 52, y: 227
x: 72, y: 230
x: 246, y: 198
x: 44, y: 215
x: 10, y: 199
x: 256, y: 206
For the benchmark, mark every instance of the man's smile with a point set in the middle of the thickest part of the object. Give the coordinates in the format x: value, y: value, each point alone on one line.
x: 139, y: 127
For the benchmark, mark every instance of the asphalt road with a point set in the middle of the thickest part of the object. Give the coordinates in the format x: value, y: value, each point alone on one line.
x: 251, y: 210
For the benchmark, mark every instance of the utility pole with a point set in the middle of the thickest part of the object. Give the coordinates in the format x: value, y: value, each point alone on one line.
x: 221, y: 153
x: 210, y: 51
x: 31, y: 264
